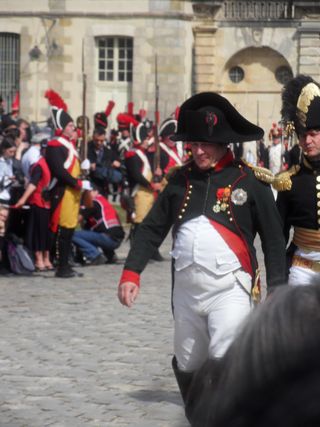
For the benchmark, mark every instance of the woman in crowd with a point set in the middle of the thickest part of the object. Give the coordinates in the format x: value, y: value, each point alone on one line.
x: 39, y: 237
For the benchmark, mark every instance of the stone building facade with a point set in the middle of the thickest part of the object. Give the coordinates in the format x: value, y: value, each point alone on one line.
x: 244, y: 50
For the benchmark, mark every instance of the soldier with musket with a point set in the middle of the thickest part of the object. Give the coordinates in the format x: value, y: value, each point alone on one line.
x: 215, y: 206
x: 65, y: 188
x: 299, y: 187
x: 139, y: 162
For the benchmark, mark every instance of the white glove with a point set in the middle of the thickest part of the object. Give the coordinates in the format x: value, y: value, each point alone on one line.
x: 85, y: 164
x: 86, y: 185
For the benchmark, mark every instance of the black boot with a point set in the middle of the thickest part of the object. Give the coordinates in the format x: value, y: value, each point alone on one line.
x: 63, y: 250
x: 184, y: 380
x: 199, y: 401
x: 111, y: 256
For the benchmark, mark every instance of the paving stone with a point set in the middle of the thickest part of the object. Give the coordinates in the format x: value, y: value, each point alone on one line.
x: 72, y: 356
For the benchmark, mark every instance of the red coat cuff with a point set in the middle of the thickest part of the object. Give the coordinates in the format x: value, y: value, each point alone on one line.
x: 79, y: 184
x: 130, y: 276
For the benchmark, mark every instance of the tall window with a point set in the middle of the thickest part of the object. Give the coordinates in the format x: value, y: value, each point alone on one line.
x: 9, y: 67
x: 115, y: 56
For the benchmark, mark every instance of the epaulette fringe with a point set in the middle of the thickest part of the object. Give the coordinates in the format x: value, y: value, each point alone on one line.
x: 262, y: 174
x: 282, y: 181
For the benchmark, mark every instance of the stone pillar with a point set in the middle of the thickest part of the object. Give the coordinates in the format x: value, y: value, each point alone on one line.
x: 204, y: 55
x: 309, y: 49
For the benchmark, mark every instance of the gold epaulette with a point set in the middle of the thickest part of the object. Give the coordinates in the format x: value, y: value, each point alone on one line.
x: 282, y: 181
x: 262, y: 174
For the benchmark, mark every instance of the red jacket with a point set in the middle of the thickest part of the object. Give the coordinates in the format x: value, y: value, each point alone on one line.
x: 36, y: 197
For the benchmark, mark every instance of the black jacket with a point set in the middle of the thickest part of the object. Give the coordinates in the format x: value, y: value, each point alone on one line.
x: 191, y: 192
x: 300, y: 206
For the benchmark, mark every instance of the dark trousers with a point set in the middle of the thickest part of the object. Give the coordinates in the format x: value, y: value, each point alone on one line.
x: 63, y: 247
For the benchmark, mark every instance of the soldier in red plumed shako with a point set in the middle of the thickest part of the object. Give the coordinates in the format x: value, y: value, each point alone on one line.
x: 215, y: 207
x: 299, y: 187
x: 66, y: 186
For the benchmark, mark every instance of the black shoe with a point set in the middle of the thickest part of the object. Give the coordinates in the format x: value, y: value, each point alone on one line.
x: 99, y: 260
x: 66, y: 273
x: 111, y: 256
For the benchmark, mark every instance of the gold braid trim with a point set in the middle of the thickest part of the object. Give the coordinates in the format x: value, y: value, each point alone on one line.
x: 262, y: 174
x: 282, y: 181
x: 256, y: 289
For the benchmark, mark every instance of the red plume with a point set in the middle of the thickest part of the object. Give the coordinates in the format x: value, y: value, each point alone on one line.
x: 55, y: 99
x: 16, y: 102
x: 142, y: 113
x: 176, y: 113
x: 130, y: 108
x: 109, y: 108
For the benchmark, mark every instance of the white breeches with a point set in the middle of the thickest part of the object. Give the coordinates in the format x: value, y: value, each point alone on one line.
x: 208, y: 310
x: 302, y: 276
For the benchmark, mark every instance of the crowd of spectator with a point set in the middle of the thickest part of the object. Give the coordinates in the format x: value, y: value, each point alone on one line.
x: 125, y: 166
x: 26, y: 183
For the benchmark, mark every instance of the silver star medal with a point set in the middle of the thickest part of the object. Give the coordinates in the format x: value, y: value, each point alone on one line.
x: 239, y: 197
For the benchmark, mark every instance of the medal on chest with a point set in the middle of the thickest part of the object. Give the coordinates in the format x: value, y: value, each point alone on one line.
x: 238, y: 197
x: 222, y: 203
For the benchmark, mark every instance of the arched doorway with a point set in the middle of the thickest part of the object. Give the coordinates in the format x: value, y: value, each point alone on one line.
x: 252, y: 80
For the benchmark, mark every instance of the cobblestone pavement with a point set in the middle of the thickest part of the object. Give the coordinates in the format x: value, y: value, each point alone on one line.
x: 72, y: 356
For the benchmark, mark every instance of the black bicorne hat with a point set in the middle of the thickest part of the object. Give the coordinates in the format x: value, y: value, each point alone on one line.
x: 209, y: 117
x: 301, y: 103
x: 60, y: 118
x: 168, y: 127
x: 139, y: 133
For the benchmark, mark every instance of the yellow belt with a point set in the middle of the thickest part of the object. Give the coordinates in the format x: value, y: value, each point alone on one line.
x: 299, y: 261
x: 306, y: 238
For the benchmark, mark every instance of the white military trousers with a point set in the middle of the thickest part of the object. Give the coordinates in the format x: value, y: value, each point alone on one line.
x: 208, y: 310
x: 304, y: 276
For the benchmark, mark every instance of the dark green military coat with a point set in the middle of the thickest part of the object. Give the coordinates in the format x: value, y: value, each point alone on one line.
x: 247, y: 208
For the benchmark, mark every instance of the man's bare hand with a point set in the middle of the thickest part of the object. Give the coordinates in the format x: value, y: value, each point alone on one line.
x: 127, y: 293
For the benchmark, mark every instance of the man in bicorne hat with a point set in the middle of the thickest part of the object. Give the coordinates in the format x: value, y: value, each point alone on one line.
x: 63, y: 161
x: 167, y: 145
x: 299, y: 187
x: 215, y: 206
